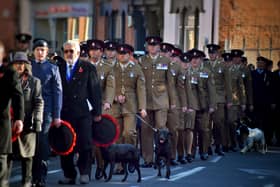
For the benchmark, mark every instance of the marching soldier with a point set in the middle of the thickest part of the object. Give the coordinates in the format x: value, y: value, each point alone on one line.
x: 166, y: 49
x: 160, y: 94
x: 22, y: 45
x: 130, y: 95
x: 203, y: 97
x: 224, y: 97
x: 187, y: 122
x: 107, y: 83
x: 104, y: 71
x: 247, y: 79
x: 238, y: 96
x: 110, y: 52
x: 174, y: 115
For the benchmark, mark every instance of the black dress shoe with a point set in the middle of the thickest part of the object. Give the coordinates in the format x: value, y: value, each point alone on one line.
x: 233, y: 149
x: 225, y: 149
x: 98, y: 173
x: 173, y: 162
x: 204, y: 156
x: 219, y: 152
x: 210, y: 152
x: 181, y: 160
x: 147, y: 165
x: 189, y: 158
x: 67, y: 181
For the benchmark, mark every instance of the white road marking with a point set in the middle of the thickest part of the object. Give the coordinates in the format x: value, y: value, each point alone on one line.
x: 216, y: 159
x: 183, y: 174
x: 154, y: 176
x: 273, y: 151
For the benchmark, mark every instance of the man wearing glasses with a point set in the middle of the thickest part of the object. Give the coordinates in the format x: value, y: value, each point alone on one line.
x: 52, y: 95
x: 80, y: 86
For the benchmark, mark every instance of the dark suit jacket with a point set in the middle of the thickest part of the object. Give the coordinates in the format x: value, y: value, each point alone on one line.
x: 83, y: 87
x: 262, y: 87
x: 10, y: 90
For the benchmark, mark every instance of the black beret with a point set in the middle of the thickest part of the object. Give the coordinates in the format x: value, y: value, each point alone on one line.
x: 185, y: 57
x: 227, y: 57
x: 40, y: 42
x: 124, y: 48
x: 153, y: 40
x: 95, y: 44
x: 166, y: 47
x: 213, y: 48
x: 236, y: 53
x: 23, y: 37
x: 195, y: 53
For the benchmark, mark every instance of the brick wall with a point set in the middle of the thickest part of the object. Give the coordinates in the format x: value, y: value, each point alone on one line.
x: 251, y: 25
x: 8, y: 23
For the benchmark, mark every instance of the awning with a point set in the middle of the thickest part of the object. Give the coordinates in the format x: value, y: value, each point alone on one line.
x: 177, y: 6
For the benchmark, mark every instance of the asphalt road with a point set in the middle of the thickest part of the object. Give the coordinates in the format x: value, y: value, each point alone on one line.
x: 233, y: 170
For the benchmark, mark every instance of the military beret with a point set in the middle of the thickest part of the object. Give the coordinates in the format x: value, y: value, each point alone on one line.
x: 153, y: 40
x: 110, y: 45
x: 261, y: 58
x: 236, y: 53
x: 124, y: 48
x: 185, y: 57
x: 95, y: 44
x: 23, y: 37
x: 40, y: 42
x: 227, y: 57
x: 176, y: 52
x: 166, y: 47
x: 20, y: 57
x: 195, y: 53
x: 213, y: 48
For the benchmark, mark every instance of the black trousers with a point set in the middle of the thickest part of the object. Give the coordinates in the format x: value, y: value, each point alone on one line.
x: 83, y: 148
x: 84, y: 164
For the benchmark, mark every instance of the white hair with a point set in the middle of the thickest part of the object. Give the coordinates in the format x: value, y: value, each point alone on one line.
x: 73, y: 43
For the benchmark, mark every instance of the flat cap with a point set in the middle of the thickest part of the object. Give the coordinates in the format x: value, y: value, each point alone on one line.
x: 95, y: 44
x: 176, y: 52
x: 166, y: 47
x: 23, y: 37
x: 213, y: 48
x: 227, y: 57
x: 124, y: 49
x: 153, y: 40
x: 185, y: 57
x: 237, y: 53
x: 195, y: 53
x: 110, y: 45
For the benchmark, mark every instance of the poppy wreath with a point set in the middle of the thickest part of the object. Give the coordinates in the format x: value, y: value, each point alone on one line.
x: 62, y: 140
x: 106, y: 131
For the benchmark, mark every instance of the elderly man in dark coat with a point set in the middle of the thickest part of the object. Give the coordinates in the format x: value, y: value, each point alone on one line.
x: 12, y: 92
x: 81, y: 92
x: 33, y: 109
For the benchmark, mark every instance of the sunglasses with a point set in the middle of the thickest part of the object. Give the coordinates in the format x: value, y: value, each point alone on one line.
x: 69, y: 51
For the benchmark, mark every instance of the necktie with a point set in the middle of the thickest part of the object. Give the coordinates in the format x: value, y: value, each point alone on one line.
x: 69, y: 71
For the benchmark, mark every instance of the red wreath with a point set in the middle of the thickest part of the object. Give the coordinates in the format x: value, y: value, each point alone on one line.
x: 73, y: 144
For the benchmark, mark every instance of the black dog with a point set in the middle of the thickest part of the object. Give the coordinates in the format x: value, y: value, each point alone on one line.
x: 163, y: 150
x: 126, y: 154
